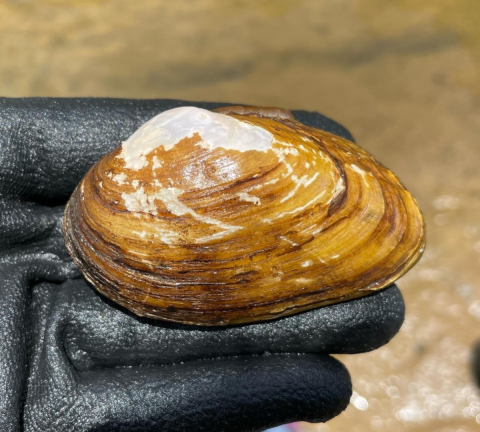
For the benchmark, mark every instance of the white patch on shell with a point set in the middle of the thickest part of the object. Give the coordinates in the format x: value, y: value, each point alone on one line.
x: 172, y: 126
x: 271, y: 181
x: 289, y: 170
x: 283, y: 152
x: 156, y: 163
x: 302, y: 181
x: 138, y: 253
x: 339, y: 187
x: 169, y: 197
x: 299, y: 209
x: 215, y: 236
x: 166, y: 236
x: 291, y: 150
x: 120, y: 179
x: 324, y: 157
x: 141, y: 234
x: 361, y: 172
x: 262, y: 185
x: 140, y: 202
x: 250, y: 198
x: 307, y: 263
x: 288, y: 240
x: 303, y: 281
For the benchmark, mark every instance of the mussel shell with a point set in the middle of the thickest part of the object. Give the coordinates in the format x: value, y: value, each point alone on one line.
x: 213, y: 235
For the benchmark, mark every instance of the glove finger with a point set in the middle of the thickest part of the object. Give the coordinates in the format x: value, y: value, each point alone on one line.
x: 236, y: 394
x: 222, y: 395
x: 47, y: 145
x: 98, y: 333
x: 17, y: 276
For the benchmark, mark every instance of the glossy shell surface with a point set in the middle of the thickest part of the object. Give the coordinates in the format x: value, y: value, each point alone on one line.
x: 237, y: 216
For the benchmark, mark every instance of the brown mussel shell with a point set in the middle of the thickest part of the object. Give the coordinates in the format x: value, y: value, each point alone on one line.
x: 209, y: 231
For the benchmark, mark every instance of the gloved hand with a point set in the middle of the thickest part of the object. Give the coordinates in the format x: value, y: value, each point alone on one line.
x: 71, y: 360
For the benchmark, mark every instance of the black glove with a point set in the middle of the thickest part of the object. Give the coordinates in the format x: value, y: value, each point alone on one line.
x: 71, y: 360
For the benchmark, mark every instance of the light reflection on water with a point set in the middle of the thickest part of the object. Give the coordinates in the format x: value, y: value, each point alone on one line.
x: 422, y: 379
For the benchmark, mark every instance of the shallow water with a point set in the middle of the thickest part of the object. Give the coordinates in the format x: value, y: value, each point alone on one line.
x: 401, y: 75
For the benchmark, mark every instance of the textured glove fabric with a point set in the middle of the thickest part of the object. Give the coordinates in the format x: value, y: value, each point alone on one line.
x: 71, y: 360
